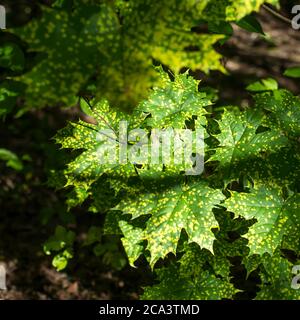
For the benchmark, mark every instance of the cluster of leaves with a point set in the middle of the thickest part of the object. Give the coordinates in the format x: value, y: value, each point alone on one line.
x: 249, y: 188
x: 62, y: 243
x: 107, y: 48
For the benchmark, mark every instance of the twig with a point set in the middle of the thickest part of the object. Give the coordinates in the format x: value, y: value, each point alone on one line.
x: 277, y: 14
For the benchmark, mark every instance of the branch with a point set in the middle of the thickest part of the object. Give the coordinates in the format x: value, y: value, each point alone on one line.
x: 277, y: 14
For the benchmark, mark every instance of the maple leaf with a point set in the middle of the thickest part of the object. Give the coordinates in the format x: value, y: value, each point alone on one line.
x: 285, y: 111
x: 71, y: 42
x: 91, y: 140
x: 110, y: 134
x: 242, y: 148
x: 188, y: 279
x: 240, y: 8
x: 173, y: 103
x: 276, y: 279
x: 275, y: 216
x: 114, y: 47
x: 291, y: 238
x: 183, y: 206
x: 217, y: 11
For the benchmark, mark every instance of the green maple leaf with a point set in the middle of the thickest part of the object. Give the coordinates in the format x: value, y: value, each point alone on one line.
x: 232, y: 10
x: 132, y: 242
x: 277, y: 279
x: 169, y: 33
x: 224, y: 249
x: 251, y: 263
x: 71, y: 43
x: 281, y: 168
x: 275, y: 216
x: 292, y: 239
x: 165, y: 38
x: 109, y: 132
x: 225, y: 246
x: 112, y: 46
x: 77, y: 195
x: 188, y: 279
x: 183, y: 206
x: 285, y: 110
x: 173, y: 103
x: 91, y: 140
x: 241, y: 147
x: 174, y: 287
x: 93, y: 41
x: 240, y: 8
